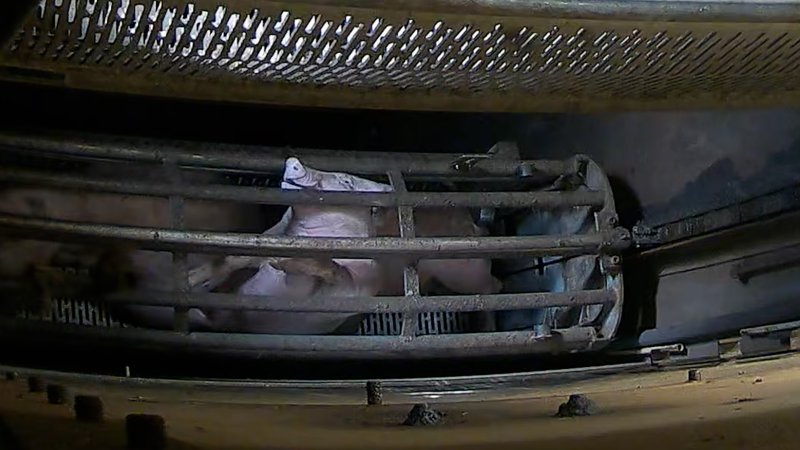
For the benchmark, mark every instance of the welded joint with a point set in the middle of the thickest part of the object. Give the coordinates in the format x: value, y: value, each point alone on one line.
x: 405, y: 216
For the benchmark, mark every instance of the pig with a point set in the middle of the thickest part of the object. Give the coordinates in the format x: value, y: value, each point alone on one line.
x: 361, y: 277
x: 114, y: 268
x: 303, y: 277
x: 461, y: 276
x: 465, y: 276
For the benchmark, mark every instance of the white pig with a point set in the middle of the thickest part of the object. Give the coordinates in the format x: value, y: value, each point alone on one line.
x: 144, y: 270
x: 364, y: 277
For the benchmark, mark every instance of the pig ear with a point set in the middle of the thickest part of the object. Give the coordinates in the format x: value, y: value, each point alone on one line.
x: 294, y: 169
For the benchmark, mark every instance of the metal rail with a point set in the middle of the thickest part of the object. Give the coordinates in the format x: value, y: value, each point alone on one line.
x: 272, y: 159
x: 262, y: 245
x: 388, y: 304
x: 345, y: 347
x: 275, y: 196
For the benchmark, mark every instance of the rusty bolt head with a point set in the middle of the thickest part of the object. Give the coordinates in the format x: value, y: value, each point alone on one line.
x: 145, y: 432
x: 374, y: 393
x: 88, y: 408
x: 36, y: 384
x: 58, y: 394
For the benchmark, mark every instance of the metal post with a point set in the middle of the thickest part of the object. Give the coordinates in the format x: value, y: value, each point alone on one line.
x: 180, y: 264
x: 405, y: 218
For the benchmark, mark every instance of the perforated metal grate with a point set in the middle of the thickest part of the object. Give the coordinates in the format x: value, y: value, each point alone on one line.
x: 428, y: 323
x: 75, y: 312
x: 390, y: 50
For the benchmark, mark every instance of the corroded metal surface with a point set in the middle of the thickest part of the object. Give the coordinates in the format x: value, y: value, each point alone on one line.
x: 499, y: 55
x: 752, y: 405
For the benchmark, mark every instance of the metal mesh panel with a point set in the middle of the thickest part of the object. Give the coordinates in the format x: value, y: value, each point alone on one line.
x: 76, y: 312
x: 428, y: 323
x: 300, y: 45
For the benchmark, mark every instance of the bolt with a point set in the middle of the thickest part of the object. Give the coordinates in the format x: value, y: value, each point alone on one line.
x: 88, y: 408
x: 11, y: 376
x: 615, y: 260
x: 145, y: 432
x: 374, y: 393
x: 57, y: 394
x: 695, y: 375
x: 35, y: 384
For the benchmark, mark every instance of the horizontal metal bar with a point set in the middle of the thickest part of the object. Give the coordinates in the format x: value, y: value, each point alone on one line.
x: 497, y: 386
x: 650, y: 10
x: 766, y: 329
x: 307, y: 347
x: 276, y: 196
x: 263, y: 245
x: 780, y: 259
x: 269, y: 159
x: 393, y: 304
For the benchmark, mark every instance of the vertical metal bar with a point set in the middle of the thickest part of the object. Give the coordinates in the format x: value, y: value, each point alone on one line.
x: 180, y: 263
x: 405, y: 218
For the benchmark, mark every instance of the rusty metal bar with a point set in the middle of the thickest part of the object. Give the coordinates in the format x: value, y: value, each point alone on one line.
x: 773, y: 261
x: 393, y: 304
x: 180, y: 262
x: 263, y: 245
x: 276, y: 196
x: 310, y: 347
x: 650, y: 10
x: 268, y: 159
x: 405, y: 219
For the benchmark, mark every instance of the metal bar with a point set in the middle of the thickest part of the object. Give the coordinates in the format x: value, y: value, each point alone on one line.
x: 651, y: 10
x: 405, y: 219
x: 770, y: 262
x: 393, y: 304
x: 266, y: 159
x: 771, y: 204
x: 180, y: 262
x: 305, y: 347
x: 243, y: 391
x: 276, y: 196
x: 263, y: 245
x: 766, y: 329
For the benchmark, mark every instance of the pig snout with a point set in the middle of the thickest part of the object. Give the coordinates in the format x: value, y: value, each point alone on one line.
x: 295, y: 173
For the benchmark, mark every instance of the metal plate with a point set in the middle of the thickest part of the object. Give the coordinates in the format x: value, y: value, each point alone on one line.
x: 486, y: 55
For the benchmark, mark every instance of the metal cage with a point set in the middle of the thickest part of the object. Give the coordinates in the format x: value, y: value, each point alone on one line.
x: 438, y: 55
x: 605, y: 240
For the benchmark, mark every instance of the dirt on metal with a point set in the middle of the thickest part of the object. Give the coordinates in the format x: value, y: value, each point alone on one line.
x: 656, y: 410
